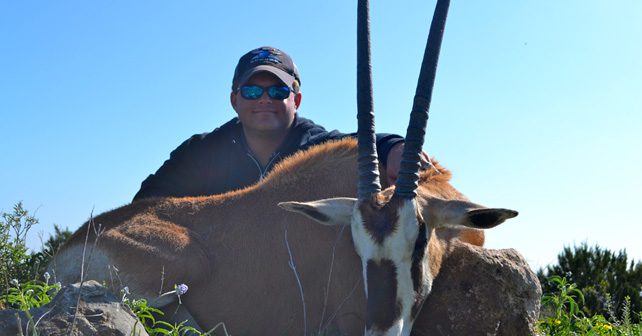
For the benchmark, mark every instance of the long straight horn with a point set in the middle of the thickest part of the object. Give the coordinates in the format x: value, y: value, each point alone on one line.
x: 410, y: 160
x: 367, y: 162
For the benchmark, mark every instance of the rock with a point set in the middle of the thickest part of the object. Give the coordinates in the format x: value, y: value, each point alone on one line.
x: 100, y: 313
x: 482, y: 292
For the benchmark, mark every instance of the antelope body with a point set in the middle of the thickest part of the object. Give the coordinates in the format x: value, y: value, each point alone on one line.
x: 231, y: 250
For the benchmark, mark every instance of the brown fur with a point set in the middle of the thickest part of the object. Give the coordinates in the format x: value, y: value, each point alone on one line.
x: 231, y: 249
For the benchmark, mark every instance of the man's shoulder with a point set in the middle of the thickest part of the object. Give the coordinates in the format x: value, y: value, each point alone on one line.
x: 230, y: 129
x: 307, y: 124
x: 309, y: 130
x: 313, y: 133
x: 227, y: 132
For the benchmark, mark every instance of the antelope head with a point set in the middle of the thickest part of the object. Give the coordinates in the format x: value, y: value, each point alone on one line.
x: 392, y: 229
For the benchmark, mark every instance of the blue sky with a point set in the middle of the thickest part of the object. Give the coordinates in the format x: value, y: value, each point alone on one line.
x: 536, y: 107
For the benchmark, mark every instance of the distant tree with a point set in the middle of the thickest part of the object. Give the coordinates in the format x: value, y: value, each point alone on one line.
x: 604, y: 277
x: 38, y: 261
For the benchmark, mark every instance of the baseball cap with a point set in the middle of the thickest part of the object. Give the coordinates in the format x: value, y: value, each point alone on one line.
x: 268, y: 59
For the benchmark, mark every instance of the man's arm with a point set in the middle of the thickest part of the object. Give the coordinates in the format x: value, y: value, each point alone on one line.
x: 385, y: 141
x: 389, y: 151
x: 393, y: 162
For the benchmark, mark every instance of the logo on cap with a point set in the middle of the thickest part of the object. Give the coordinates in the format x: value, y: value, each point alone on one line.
x: 266, y: 55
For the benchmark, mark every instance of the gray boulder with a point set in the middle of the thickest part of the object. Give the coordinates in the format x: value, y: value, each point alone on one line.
x: 100, y: 312
x: 482, y: 292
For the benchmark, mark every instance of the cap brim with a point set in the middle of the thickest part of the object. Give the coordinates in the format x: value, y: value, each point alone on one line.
x: 285, y: 77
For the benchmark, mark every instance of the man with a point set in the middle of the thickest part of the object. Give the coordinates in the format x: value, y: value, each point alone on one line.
x: 265, y: 95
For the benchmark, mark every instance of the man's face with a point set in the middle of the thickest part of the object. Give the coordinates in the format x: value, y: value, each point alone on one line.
x: 265, y: 115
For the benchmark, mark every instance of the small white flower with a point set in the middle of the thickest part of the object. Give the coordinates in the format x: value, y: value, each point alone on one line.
x: 181, y: 289
x: 47, y: 277
x: 178, y: 290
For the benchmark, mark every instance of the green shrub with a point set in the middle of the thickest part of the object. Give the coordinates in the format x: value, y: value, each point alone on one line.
x: 13, y: 252
x: 15, y: 260
x: 606, y: 279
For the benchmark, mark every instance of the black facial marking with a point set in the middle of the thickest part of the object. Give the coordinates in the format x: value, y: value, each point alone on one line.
x: 380, y: 221
x: 418, y: 258
x: 383, y: 307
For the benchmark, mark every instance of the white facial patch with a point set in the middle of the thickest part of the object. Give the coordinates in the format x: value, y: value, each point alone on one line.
x: 397, y: 247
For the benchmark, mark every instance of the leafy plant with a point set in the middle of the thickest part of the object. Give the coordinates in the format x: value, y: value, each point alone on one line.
x: 147, y: 315
x: 31, y: 294
x: 561, y: 308
x: 561, y: 315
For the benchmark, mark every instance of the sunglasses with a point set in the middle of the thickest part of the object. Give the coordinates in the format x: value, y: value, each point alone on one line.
x: 253, y: 92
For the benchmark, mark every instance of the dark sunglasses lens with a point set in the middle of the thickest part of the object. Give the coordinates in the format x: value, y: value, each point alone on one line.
x: 255, y: 92
x: 278, y: 92
x: 251, y: 91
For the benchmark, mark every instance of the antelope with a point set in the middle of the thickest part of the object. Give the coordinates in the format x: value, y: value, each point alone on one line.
x: 261, y: 270
x: 393, y: 230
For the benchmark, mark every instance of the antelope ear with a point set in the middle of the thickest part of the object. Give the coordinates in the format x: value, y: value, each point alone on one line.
x: 488, y: 218
x: 463, y: 213
x: 331, y: 211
